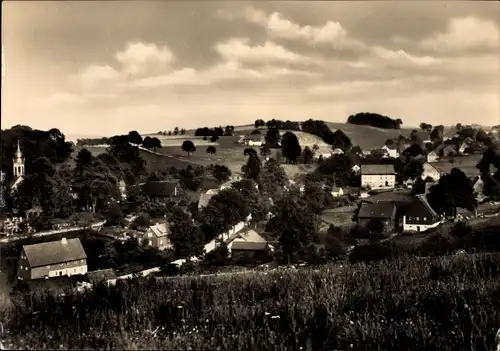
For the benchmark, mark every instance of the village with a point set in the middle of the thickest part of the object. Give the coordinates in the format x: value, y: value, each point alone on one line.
x: 371, y: 194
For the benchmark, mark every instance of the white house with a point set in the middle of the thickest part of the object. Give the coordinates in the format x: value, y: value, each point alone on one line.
x: 337, y: 191
x: 254, y: 140
x: 378, y: 176
x: 356, y: 169
x: 433, y: 156
x: 157, y: 236
x: 392, y: 151
x: 431, y: 171
x: 420, y: 216
x: 249, y: 235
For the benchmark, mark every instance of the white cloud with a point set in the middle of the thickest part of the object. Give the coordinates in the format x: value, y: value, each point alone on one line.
x: 352, y: 87
x: 401, y: 56
x: 238, y: 50
x: 463, y: 34
x: 141, y: 58
x: 331, y: 34
x: 94, y: 76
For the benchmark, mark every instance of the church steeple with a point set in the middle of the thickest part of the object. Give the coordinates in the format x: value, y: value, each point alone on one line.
x: 18, y: 163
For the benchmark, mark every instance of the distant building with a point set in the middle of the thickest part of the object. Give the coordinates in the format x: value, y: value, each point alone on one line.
x: 165, y: 190
x: 157, y: 236
x: 356, y: 169
x: 383, y: 211
x: 433, y: 156
x: 392, y: 150
x: 249, y: 245
x: 205, y: 198
x: 378, y: 176
x: 253, y: 140
x: 337, y: 191
x: 64, y: 257
x: 420, y: 216
x: 431, y: 172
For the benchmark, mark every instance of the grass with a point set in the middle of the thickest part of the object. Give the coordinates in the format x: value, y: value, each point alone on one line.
x: 467, y: 164
x: 444, y: 303
x: 340, y: 217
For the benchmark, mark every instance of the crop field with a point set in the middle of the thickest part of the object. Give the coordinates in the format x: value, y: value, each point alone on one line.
x: 442, y: 303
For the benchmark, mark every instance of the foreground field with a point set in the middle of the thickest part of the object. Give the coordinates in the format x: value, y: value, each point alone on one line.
x: 446, y: 303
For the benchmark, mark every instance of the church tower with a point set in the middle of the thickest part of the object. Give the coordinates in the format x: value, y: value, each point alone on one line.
x: 18, y: 162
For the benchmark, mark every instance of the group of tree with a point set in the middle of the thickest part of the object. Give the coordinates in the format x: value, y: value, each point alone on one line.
x: 337, y: 139
x: 175, y: 131
x: 490, y: 178
x: 375, y: 120
x: 151, y: 143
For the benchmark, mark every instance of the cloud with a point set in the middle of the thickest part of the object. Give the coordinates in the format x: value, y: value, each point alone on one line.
x: 238, y: 50
x: 465, y: 33
x: 402, y: 57
x: 95, y: 76
x: 331, y: 34
x: 141, y: 58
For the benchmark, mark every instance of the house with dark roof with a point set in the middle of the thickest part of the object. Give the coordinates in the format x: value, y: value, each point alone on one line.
x: 378, y: 176
x: 420, y: 216
x: 107, y: 276
x: 383, y: 211
x: 157, y: 236
x: 64, y: 257
x: 163, y: 190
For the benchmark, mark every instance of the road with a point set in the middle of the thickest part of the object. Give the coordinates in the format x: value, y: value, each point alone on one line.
x: 48, y: 233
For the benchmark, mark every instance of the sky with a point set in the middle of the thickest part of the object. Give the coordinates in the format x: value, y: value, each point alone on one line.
x: 97, y: 68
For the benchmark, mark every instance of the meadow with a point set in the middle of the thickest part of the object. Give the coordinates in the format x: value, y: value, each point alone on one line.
x: 442, y: 303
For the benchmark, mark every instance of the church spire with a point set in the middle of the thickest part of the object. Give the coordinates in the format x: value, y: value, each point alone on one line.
x: 19, y: 154
x: 18, y: 162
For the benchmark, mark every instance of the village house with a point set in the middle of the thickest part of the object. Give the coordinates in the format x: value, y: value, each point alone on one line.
x: 205, y: 198
x: 248, y: 245
x: 253, y: 140
x: 163, y: 191
x: 107, y: 276
x: 383, y: 211
x: 433, y: 156
x: 378, y: 176
x: 356, y: 169
x: 63, y: 257
x: 157, y: 236
x: 337, y: 191
x: 430, y: 171
x: 420, y: 216
x: 391, y: 150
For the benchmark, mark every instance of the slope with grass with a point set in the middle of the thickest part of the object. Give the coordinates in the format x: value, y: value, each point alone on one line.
x: 443, y: 303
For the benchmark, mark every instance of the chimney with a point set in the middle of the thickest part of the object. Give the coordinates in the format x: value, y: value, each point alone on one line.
x: 64, y: 241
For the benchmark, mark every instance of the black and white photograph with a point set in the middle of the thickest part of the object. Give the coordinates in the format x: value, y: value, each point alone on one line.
x: 250, y: 175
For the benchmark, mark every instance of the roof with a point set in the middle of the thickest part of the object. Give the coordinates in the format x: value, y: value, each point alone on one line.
x: 160, y: 229
x: 430, y: 168
x: 250, y: 236
x: 205, y: 197
x: 392, y: 147
x: 101, y: 275
x: 377, y: 169
x: 162, y: 188
x: 423, y: 199
x: 249, y: 246
x: 53, y: 252
x: 254, y: 137
x: 382, y: 210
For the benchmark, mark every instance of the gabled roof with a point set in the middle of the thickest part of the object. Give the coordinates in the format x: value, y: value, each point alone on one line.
x: 53, y: 252
x: 382, y: 210
x: 102, y: 275
x: 430, y: 168
x: 377, y: 169
x: 250, y: 236
x: 205, y: 197
x: 249, y: 246
x: 391, y: 147
x: 163, y: 188
x: 160, y: 229
x: 423, y: 199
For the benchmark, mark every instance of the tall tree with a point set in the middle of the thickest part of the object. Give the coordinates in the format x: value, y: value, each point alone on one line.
x: 290, y: 147
x: 211, y: 150
x: 187, y: 239
x: 188, y: 146
x: 251, y: 169
x: 259, y: 123
x: 134, y: 137
x: 176, y: 130
x: 221, y: 173
x: 273, y: 137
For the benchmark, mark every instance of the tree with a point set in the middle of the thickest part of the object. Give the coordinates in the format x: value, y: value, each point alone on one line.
x: 176, y: 130
x: 221, y: 173
x: 265, y: 151
x: 169, y: 132
x: 413, y: 170
x: 211, y: 150
x: 250, y: 152
x: 272, y: 138
x: 188, y: 147
x: 307, y: 155
x: 214, y: 138
x: 255, y: 132
x: 229, y: 130
x: 426, y: 127
x: 114, y: 215
x: 273, y: 179
x: 147, y: 143
x: 155, y: 143
x: 183, y: 131
x: 389, y: 142
x: 259, y: 123
x: 437, y: 133
x: 251, y: 169
x: 290, y: 147
x: 134, y: 137
x: 187, y: 239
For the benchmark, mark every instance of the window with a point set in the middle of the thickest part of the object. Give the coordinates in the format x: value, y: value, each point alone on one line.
x: 425, y: 218
x: 418, y: 218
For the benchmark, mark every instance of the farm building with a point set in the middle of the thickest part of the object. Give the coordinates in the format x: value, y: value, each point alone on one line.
x: 420, y: 216
x: 253, y: 140
x: 157, y: 236
x: 431, y: 171
x: 249, y: 245
x: 384, y: 211
x: 337, y: 191
x: 433, y: 156
x: 162, y: 191
x: 392, y: 150
x: 52, y: 259
x: 378, y: 176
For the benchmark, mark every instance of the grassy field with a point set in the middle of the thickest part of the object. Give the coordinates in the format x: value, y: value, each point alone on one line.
x: 444, y: 303
x: 466, y: 163
x: 340, y: 217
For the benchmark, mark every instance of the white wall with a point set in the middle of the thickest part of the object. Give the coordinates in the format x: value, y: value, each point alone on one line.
x: 414, y: 227
x: 376, y: 181
x: 69, y: 271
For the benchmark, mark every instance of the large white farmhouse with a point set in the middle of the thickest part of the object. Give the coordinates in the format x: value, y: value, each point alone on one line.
x: 378, y: 176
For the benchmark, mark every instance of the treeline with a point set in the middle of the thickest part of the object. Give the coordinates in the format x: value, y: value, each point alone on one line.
x: 217, y: 131
x: 374, y: 120
x: 337, y: 139
x: 92, y: 141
